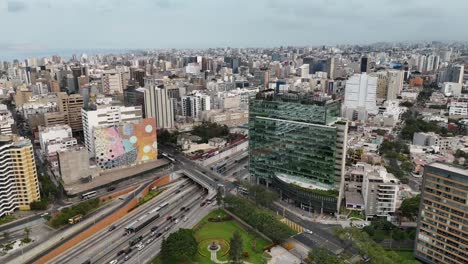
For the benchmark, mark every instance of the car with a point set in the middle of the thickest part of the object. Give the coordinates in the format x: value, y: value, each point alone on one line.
x: 141, y: 247
x: 185, y: 219
x: 127, y: 257
x: 153, y: 233
x: 154, y: 228
x: 208, y: 202
x: 202, y: 204
x: 120, y: 252
x: 167, y: 228
x: 176, y: 221
x: 112, y: 227
x: 114, y: 261
x: 149, y: 241
x: 169, y: 218
x: 111, y: 188
x: 158, y: 234
x: 187, y: 209
x: 182, y: 208
x: 124, y: 234
x: 308, y: 231
x: 177, y: 191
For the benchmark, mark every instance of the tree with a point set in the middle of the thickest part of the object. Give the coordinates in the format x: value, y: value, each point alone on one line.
x: 180, y: 246
x: 410, y: 207
x: 261, y: 195
x: 235, y: 252
x: 27, y: 231
x: 322, y: 256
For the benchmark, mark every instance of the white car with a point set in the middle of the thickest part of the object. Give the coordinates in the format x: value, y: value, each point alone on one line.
x: 141, y: 247
x: 114, y: 261
x: 176, y: 221
x: 185, y: 219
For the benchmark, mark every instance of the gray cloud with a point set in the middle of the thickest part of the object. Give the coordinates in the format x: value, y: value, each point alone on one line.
x: 16, y: 6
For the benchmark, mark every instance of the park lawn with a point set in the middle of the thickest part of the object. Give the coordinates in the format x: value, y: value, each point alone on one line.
x: 225, y: 230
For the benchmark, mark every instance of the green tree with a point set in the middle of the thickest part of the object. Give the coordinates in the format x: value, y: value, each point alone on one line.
x: 410, y: 207
x: 235, y: 252
x: 207, y: 130
x: 180, y: 246
x: 322, y: 256
x: 261, y: 195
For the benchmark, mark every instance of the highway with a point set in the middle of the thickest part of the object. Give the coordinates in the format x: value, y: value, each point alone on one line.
x: 106, y: 244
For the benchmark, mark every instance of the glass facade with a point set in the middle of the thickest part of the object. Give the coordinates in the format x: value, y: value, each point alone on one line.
x: 293, y: 137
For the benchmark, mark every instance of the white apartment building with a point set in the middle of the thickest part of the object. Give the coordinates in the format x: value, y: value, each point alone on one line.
x: 6, y: 121
x: 193, y: 105
x: 360, y: 97
x: 452, y: 89
x: 104, y: 116
x: 458, y: 109
x: 433, y: 140
x: 159, y: 106
x: 112, y: 82
x: 371, y: 189
x: 53, y: 133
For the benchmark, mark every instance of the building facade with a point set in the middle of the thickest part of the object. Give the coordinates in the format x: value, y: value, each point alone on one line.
x: 159, y: 106
x: 297, y: 144
x: 19, y: 186
x: 105, y: 116
x: 360, y: 97
x: 442, y: 231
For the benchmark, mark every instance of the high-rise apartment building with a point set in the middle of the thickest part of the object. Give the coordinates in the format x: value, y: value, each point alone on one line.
x: 112, y: 82
x: 69, y: 113
x: 104, y: 116
x: 298, y: 145
x: 360, y: 97
x: 193, y: 105
x: 19, y: 186
x: 453, y: 73
x: 159, y: 106
x: 442, y: 233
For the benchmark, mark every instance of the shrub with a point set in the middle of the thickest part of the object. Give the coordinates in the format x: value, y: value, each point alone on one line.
x: 245, y: 254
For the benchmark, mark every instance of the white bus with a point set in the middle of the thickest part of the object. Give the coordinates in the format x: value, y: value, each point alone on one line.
x: 88, y: 195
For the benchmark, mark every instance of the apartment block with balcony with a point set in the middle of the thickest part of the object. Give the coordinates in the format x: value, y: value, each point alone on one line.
x: 19, y: 184
x: 442, y: 233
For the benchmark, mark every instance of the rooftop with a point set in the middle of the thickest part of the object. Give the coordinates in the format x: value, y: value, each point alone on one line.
x: 450, y: 167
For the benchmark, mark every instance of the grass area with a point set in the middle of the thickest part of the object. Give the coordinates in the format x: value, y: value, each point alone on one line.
x: 7, y: 219
x: 405, y: 254
x: 205, y: 230
x: 151, y: 194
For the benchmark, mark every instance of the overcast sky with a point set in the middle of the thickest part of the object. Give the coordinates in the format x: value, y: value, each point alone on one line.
x: 29, y: 25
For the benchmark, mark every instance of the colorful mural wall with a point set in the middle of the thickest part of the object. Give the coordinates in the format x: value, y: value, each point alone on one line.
x: 126, y: 144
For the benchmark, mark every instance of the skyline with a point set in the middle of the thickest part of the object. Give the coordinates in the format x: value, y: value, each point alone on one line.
x: 48, y: 25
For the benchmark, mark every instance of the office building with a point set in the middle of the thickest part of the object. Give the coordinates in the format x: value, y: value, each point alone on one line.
x: 19, y: 186
x: 360, y: 97
x: 135, y: 97
x: 298, y: 145
x: 442, y: 232
x: 453, y: 73
x: 159, y: 106
x: 364, y: 65
x: 105, y: 116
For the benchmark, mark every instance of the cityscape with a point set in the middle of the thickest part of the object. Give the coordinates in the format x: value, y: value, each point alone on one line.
x: 290, y: 145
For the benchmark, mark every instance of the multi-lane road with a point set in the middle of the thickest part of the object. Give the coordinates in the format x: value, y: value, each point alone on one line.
x: 104, y: 246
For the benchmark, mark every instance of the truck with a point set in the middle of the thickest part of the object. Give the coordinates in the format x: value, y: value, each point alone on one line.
x: 75, y: 219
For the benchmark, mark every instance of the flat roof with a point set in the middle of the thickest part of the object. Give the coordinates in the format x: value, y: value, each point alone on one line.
x: 450, y: 167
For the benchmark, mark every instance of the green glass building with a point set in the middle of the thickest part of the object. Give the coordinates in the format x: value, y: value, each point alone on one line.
x: 297, y: 143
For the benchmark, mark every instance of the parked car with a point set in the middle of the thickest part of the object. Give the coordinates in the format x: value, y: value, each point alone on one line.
x: 112, y: 227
